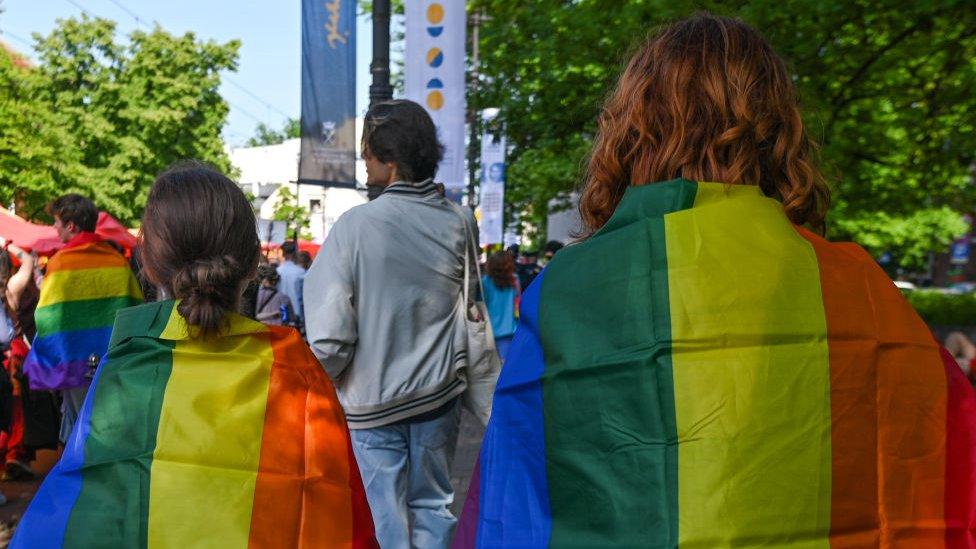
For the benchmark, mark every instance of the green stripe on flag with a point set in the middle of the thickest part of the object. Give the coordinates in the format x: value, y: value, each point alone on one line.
x: 608, y: 389
x: 119, y: 448
x: 85, y: 314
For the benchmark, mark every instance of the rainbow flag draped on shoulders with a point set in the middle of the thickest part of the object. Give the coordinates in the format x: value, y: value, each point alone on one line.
x: 233, y: 441
x: 702, y: 373
x: 84, y: 286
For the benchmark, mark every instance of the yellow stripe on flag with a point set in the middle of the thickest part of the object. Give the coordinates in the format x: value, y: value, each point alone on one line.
x: 208, y: 446
x: 78, y: 284
x: 751, y: 374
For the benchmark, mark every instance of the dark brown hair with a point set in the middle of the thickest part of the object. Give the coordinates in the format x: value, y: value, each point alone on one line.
x: 401, y: 132
x: 75, y: 208
x: 501, y: 269
x: 199, y: 242
x: 705, y: 99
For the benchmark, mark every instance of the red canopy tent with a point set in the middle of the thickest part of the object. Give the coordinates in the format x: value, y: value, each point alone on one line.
x: 303, y: 245
x: 22, y: 232
x: 43, y: 240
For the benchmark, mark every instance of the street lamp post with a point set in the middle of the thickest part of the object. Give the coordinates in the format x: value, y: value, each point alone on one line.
x: 380, y: 90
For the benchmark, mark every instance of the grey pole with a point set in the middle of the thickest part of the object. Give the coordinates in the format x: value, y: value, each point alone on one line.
x: 473, y: 114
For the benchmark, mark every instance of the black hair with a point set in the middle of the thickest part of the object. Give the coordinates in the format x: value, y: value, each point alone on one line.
x: 553, y: 246
x: 288, y: 248
x: 268, y: 272
x: 402, y: 132
x: 75, y: 208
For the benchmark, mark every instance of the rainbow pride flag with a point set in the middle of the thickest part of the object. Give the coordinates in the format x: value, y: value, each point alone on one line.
x: 83, y: 288
x: 702, y: 373
x: 235, y: 441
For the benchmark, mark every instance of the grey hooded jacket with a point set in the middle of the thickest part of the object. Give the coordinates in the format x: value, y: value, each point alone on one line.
x: 383, y: 304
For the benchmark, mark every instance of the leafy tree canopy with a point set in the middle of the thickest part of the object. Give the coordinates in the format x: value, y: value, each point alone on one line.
x: 886, y: 88
x: 104, y: 117
x: 265, y: 135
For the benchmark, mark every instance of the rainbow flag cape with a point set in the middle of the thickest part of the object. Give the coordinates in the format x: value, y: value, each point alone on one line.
x: 235, y: 441
x: 702, y: 373
x: 83, y: 288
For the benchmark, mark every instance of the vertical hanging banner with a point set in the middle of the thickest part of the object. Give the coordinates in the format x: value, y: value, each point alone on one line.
x: 491, y: 224
x: 328, y: 151
x: 434, y: 77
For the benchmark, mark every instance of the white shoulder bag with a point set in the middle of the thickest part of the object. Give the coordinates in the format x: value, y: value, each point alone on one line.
x: 484, y: 363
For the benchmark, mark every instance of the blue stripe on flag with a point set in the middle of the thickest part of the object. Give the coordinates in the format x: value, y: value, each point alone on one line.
x: 514, y: 500
x: 46, y: 521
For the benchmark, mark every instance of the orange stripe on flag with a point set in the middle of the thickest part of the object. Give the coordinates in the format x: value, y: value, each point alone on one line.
x: 888, y: 408
x: 88, y: 256
x: 302, y: 497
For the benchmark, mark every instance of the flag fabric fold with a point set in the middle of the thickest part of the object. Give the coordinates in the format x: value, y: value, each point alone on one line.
x: 83, y: 288
x: 233, y: 441
x: 703, y: 373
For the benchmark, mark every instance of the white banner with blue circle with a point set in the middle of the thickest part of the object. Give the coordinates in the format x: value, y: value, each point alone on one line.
x: 434, y: 77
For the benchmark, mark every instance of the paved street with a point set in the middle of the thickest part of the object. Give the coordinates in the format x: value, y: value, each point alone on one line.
x: 469, y: 443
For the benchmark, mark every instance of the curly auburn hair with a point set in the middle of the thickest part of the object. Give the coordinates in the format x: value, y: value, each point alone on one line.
x: 706, y: 99
x: 501, y: 270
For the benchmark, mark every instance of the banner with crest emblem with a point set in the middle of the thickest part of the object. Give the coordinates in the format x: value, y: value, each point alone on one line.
x: 328, y: 151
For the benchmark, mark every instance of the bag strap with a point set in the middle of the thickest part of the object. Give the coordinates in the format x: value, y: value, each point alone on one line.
x: 268, y: 299
x: 470, y: 249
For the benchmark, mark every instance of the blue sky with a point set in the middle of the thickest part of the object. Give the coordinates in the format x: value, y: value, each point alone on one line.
x: 269, y: 31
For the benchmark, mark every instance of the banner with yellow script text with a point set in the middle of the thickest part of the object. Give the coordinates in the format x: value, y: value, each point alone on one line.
x: 328, y: 152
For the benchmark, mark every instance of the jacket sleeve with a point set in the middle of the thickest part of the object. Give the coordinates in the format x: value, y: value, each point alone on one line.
x: 329, y: 298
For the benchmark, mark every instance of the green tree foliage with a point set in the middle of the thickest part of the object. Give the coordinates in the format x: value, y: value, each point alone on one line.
x: 116, y: 113
x: 288, y: 209
x: 36, y: 159
x: 265, y: 135
x: 886, y: 88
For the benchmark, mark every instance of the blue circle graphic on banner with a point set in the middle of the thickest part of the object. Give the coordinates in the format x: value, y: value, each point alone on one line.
x: 435, y: 84
x: 435, y: 31
x: 435, y: 57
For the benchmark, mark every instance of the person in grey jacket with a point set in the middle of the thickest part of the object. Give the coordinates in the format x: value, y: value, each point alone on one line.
x: 384, y: 315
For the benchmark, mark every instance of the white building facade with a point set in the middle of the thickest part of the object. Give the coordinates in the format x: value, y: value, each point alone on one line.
x: 264, y: 171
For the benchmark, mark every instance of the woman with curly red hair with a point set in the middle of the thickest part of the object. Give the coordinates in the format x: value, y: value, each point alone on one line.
x: 501, y: 297
x: 704, y: 369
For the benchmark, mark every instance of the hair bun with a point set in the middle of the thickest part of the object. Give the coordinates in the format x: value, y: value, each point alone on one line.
x: 208, y: 288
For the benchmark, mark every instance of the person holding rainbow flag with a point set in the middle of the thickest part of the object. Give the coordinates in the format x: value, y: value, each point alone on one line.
x: 735, y: 379
x: 86, y: 282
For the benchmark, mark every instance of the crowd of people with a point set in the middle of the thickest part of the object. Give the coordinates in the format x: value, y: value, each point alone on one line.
x: 702, y: 368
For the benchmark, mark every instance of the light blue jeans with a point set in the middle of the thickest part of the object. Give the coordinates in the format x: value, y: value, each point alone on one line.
x: 406, y: 469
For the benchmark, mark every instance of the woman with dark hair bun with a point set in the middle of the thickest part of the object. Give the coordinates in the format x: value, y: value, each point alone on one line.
x: 704, y: 369
x: 203, y: 427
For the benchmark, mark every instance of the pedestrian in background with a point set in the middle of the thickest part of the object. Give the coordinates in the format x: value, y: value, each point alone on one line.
x: 551, y: 249
x: 35, y: 419
x: 386, y: 319
x: 204, y: 428
x: 18, y: 290
x: 501, y: 297
x: 272, y: 307
x: 527, y: 268
x: 304, y: 259
x: 84, y: 285
x: 292, y: 278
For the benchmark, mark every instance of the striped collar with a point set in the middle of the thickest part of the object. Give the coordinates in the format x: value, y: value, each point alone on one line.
x: 422, y: 189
